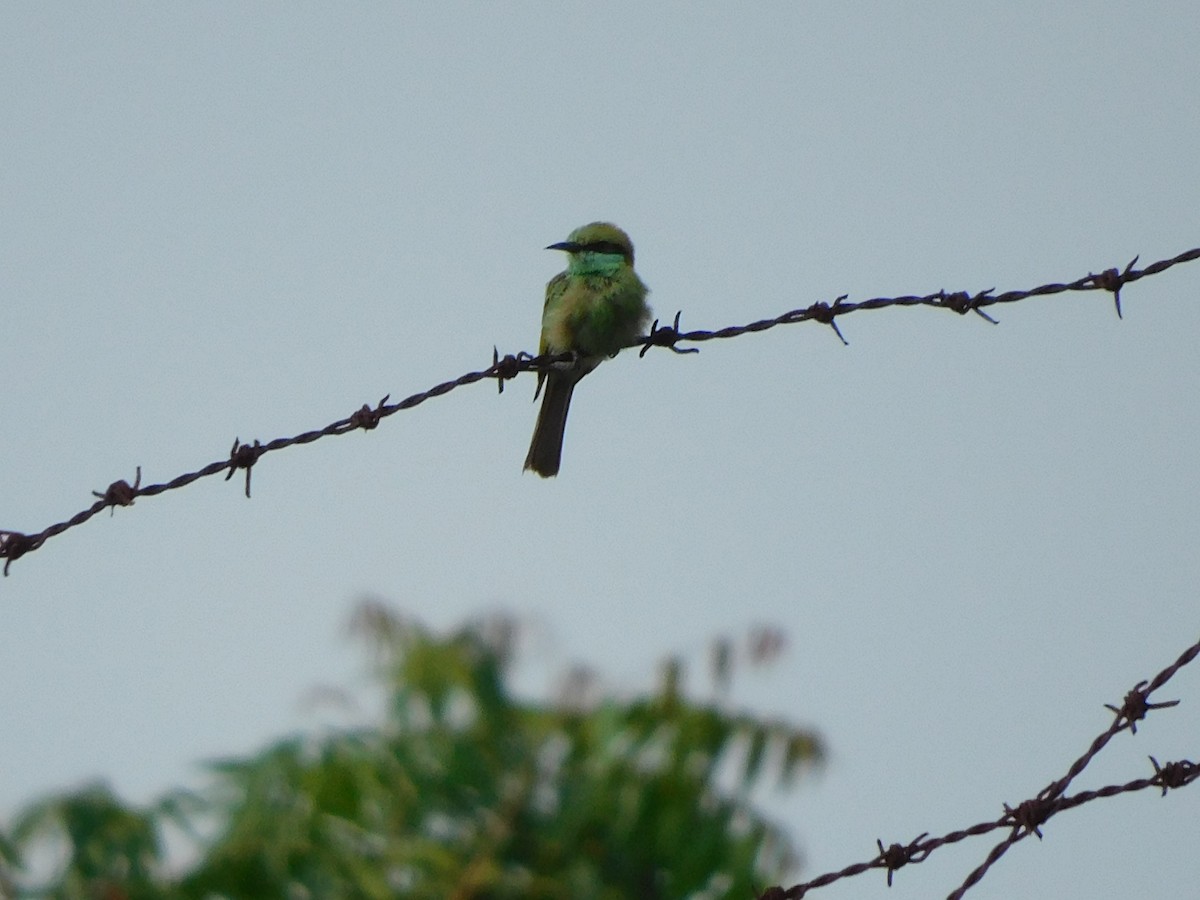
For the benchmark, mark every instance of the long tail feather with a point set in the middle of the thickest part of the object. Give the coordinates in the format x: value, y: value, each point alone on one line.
x: 545, y: 450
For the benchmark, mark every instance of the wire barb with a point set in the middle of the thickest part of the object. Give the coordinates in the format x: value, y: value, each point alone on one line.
x: 1174, y: 774
x: 365, y: 417
x: 1031, y: 815
x: 120, y: 493
x: 666, y: 336
x: 507, y: 368
x: 1136, y: 705
x: 244, y: 456
x: 827, y: 315
x: 14, y: 545
x: 1111, y: 280
x: 897, y: 856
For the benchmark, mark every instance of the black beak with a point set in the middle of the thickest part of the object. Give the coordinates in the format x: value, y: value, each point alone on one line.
x: 568, y: 246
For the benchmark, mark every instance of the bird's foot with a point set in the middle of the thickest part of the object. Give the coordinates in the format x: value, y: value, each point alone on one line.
x: 569, y: 365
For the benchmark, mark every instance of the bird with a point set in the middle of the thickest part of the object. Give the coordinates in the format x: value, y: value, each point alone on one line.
x: 593, y: 309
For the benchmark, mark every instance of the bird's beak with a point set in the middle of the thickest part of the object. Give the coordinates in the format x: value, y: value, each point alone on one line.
x: 568, y: 246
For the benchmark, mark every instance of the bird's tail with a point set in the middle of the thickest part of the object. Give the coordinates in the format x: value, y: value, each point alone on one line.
x: 545, y: 450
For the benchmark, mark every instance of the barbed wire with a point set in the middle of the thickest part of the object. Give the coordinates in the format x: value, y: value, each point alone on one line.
x: 1028, y: 817
x: 15, y: 544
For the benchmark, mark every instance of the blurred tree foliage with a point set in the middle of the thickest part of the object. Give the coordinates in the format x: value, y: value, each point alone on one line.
x: 463, y: 791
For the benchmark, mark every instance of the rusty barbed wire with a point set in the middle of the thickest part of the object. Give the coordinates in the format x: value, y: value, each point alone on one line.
x: 1028, y: 817
x: 15, y: 544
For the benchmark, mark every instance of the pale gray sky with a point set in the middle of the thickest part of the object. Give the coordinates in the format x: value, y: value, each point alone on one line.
x: 246, y: 220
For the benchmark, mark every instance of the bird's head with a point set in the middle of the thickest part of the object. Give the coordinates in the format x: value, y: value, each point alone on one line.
x: 598, y: 248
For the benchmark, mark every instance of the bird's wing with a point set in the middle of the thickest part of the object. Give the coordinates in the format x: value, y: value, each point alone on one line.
x: 555, y: 288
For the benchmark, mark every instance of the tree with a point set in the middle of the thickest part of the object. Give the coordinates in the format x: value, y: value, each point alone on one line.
x: 463, y: 791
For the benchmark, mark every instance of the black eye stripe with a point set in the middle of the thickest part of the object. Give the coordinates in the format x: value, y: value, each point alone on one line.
x: 604, y: 247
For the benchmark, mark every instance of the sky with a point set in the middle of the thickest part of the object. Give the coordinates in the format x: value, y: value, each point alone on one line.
x: 247, y: 220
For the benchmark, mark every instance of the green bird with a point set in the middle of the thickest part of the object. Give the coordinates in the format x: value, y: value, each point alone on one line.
x: 593, y: 309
